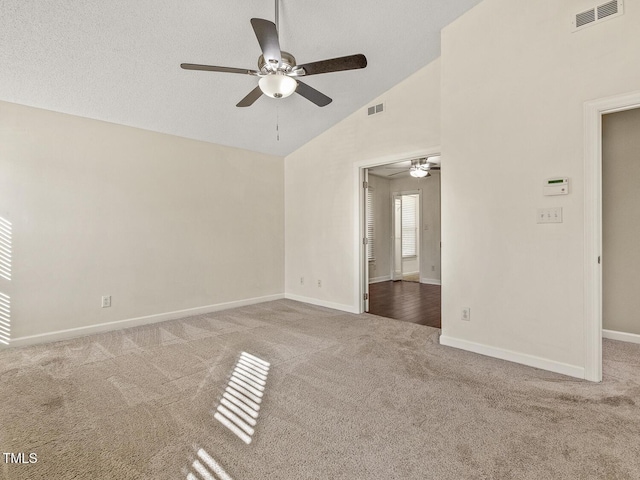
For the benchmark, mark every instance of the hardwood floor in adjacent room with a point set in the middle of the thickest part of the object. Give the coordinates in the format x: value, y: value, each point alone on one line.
x: 407, y: 301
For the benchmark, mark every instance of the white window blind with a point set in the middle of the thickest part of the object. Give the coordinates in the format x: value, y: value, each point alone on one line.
x: 370, y: 251
x: 409, y: 225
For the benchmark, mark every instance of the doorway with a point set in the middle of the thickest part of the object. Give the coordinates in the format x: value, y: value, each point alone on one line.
x: 593, y: 229
x: 620, y: 225
x: 401, y: 261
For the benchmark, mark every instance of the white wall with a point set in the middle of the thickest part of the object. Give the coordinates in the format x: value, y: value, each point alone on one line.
x: 380, y: 269
x: 158, y: 222
x: 430, y: 212
x: 320, y: 222
x: 621, y: 221
x: 514, y: 80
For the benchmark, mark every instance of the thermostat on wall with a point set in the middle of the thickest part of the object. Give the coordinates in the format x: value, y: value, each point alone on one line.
x: 556, y: 186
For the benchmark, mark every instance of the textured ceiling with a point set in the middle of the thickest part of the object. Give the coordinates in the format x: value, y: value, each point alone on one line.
x: 119, y: 61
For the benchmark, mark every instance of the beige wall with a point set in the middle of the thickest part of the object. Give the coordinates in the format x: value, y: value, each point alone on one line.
x: 514, y: 81
x: 158, y: 222
x: 430, y: 212
x: 621, y: 221
x: 320, y: 198
x: 381, y: 268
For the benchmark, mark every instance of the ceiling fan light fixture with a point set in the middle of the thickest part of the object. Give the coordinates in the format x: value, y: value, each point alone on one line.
x: 277, y: 85
x: 418, y: 172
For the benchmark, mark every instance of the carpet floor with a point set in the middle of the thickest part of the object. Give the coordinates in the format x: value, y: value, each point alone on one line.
x: 344, y: 397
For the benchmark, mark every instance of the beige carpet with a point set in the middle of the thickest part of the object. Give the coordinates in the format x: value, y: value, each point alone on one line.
x: 346, y: 397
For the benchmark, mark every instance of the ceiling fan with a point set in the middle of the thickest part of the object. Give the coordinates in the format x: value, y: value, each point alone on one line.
x: 279, y: 74
x: 420, y: 167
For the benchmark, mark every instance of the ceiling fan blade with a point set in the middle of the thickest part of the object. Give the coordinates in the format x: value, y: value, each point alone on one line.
x: 352, y: 62
x: 312, y: 94
x: 267, y: 36
x: 253, y: 95
x: 212, y: 68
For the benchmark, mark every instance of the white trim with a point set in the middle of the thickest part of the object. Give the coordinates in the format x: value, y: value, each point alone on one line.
x: 384, y: 278
x: 431, y: 281
x: 360, y: 281
x: 135, y: 322
x: 321, y: 303
x: 621, y: 336
x: 593, y: 112
x: 511, y: 356
x: 359, y: 277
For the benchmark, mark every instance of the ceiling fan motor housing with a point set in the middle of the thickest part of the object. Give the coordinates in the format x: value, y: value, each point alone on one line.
x: 288, y: 62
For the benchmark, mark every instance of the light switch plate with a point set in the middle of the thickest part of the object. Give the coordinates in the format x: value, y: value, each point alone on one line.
x: 550, y: 215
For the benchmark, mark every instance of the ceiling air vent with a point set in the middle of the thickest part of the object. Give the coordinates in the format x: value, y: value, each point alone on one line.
x: 375, y: 109
x: 598, y: 13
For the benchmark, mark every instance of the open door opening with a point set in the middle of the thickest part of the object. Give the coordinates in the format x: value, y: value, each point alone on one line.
x: 594, y: 257
x: 620, y: 225
x: 402, y: 254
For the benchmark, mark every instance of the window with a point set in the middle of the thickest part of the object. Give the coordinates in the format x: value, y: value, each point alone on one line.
x: 409, y: 225
x: 370, y: 251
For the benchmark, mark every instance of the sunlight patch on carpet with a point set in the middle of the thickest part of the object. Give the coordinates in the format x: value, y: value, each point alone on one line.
x: 240, y: 403
x: 206, y: 468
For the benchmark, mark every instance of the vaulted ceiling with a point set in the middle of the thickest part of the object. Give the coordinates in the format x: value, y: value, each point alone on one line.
x: 119, y: 61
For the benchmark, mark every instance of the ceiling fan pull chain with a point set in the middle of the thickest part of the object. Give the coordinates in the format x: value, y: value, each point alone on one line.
x: 277, y: 17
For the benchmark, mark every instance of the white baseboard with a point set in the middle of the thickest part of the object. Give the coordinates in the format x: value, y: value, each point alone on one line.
x: 384, y: 278
x: 621, y: 336
x: 135, y: 322
x: 431, y: 281
x: 322, y: 303
x: 511, y: 356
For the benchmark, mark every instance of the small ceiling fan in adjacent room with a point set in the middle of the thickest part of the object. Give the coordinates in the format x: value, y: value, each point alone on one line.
x: 419, y: 167
x: 278, y: 72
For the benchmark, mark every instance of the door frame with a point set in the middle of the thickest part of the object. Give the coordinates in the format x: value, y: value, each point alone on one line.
x: 360, y: 252
x: 593, y: 111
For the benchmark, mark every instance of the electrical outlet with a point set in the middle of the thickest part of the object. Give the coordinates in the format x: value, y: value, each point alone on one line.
x: 319, y: 283
x: 466, y: 314
x: 301, y: 280
x: 106, y: 301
